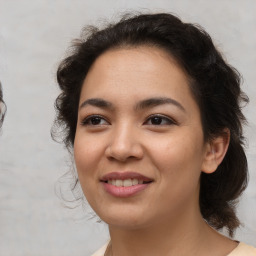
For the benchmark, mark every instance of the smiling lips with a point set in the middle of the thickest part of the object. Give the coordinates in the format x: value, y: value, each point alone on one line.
x: 124, y: 184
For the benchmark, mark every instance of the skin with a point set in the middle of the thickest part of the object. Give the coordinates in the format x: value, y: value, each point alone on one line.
x: 163, y: 219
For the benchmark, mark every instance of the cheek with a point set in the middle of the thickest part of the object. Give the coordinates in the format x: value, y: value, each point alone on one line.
x: 178, y: 160
x: 179, y: 169
x: 87, y: 154
x: 178, y: 150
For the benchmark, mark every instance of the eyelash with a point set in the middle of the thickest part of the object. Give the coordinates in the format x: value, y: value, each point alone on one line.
x: 168, y: 121
x: 87, y: 120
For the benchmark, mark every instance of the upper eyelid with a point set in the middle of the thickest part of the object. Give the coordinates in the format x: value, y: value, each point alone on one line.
x: 162, y: 116
x: 93, y: 115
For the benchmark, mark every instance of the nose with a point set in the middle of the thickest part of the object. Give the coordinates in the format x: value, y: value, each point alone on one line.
x: 124, y: 144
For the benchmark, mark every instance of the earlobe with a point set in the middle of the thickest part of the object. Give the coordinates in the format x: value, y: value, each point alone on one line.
x: 215, y: 152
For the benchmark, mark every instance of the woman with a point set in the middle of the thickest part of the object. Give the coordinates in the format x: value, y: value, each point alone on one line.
x: 151, y: 112
x: 2, y: 107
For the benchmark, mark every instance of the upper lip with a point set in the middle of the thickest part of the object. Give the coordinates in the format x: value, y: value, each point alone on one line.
x: 124, y: 176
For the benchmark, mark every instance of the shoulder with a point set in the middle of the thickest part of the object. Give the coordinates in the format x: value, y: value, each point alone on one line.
x: 101, y: 251
x: 243, y: 250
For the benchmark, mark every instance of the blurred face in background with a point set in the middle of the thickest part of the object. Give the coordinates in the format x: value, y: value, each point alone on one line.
x: 2, y: 106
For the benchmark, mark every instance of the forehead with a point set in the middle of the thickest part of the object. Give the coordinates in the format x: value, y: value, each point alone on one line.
x: 125, y: 77
x: 141, y: 67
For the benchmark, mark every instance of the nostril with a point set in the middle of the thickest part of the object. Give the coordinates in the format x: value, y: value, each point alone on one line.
x: 123, y: 149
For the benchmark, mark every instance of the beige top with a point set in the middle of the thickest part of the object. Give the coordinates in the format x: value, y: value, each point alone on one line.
x: 101, y: 251
x: 241, y: 250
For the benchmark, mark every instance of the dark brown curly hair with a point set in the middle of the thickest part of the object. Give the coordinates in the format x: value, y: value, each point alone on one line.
x: 214, y: 83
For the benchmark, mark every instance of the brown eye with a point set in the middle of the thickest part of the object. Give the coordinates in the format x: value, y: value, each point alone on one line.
x: 159, y: 120
x: 156, y: 120
x: 94, y: 120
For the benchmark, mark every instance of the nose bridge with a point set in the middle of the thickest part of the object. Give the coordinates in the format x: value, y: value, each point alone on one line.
x: 124, y: 142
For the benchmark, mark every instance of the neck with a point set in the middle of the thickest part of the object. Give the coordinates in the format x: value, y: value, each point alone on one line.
x: 187, y: 235
x: 179, y: 236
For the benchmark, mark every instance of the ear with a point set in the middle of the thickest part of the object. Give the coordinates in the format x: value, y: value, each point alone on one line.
x: 215, y: 152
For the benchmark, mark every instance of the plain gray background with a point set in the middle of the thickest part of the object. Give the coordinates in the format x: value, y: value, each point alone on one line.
x: 34, y: 36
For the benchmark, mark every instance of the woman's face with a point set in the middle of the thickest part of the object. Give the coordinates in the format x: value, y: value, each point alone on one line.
x: 139, y: 145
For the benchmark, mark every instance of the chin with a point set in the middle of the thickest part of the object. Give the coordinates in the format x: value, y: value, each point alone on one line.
x: 124, y: 218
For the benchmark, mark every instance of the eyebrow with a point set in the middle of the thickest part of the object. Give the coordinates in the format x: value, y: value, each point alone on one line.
x: 147, y: 103
x: 97, y: 102
x: 153, y: 102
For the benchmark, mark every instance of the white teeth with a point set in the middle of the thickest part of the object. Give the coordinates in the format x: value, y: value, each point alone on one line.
x: 125, y: 183
x: 119, y: 183
x: 135, y: 182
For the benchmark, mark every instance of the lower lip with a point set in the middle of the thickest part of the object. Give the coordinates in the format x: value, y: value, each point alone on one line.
x: 124, y: 191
